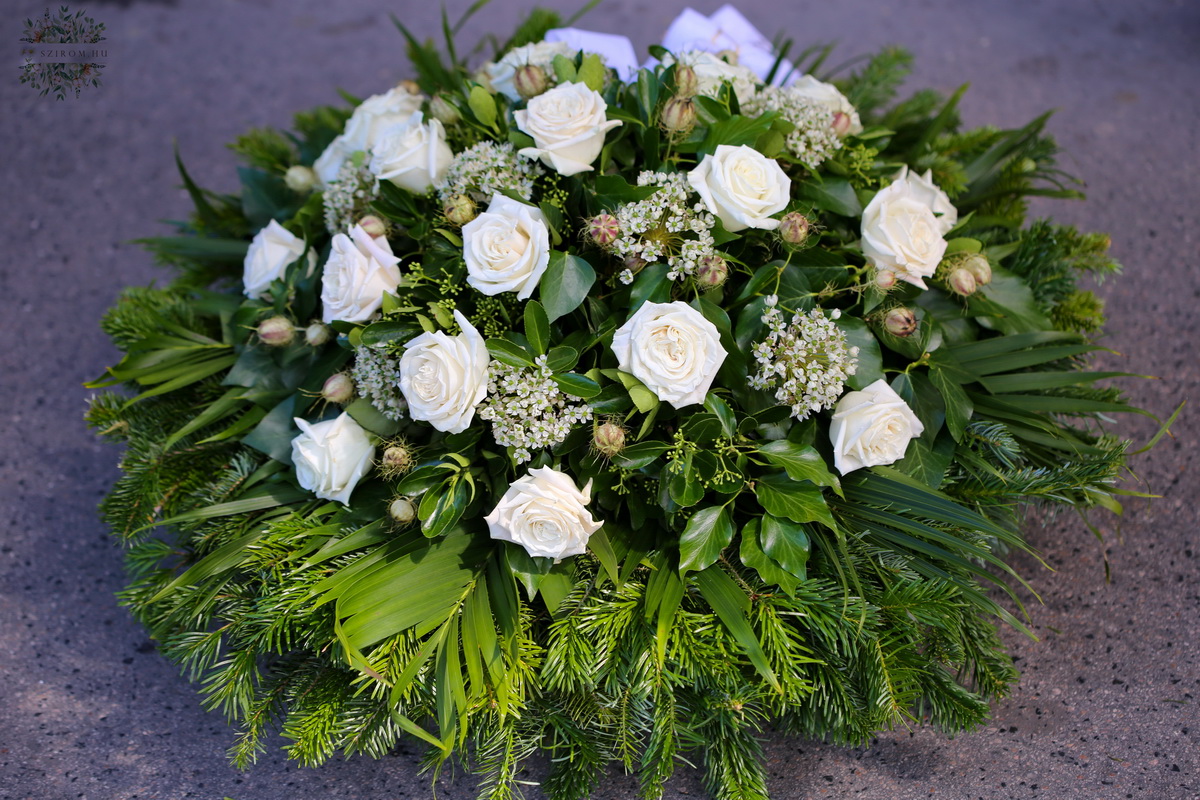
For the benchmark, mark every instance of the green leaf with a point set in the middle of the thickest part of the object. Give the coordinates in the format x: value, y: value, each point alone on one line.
x: 708, y: 532
x: 564, y: 69
x: 565, y: 284
x: 835, y: 195
x: 220, y: 560
x: 368, y: 416
x: 448, y: 509
x: 785, y: 542
x: 753, y: 557
x: 591, y: 72
x: 537, y: 327
x: 721, y: 410
x: 870, y: 359
x: 639, y: 455
x: 274, y: 434
x: 645, y: 400
x: 928, y: 459
x: 731, y: 605
x: 483, y: 106
x: 801, y: 462
x: 509, y: 353
x: 602, y: 549
x: 562, y: 358
x: 958, y: 405
x: 799, y: 502
x: 577, y: 385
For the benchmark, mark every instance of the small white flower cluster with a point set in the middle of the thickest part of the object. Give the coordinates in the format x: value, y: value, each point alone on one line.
x: 808, y: 359
x: 814, y: 138
x: 657, y: 228
x: 348, y: 198
x: 527, y: 409
x: 486, y: 169
x: 377, y: 378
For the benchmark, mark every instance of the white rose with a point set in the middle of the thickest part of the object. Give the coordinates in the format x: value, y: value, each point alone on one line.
x: 444, y: 377
x: 742, y: 187
x: 507, y: 248
x: 827, y: 95
x: 540, y: 54
x: 928, y: 192
x: 412, y: 154
x: 271, y: 251
x: 713, y: 71
x: 567, y: 124
x: 900, y: 232
x: 363, y: 129
x: 726, y: 31
x: 672, y: 349
x: 331, y: 457
x: 359, y: 270
x: 870, y: 427
x: 546, y: 514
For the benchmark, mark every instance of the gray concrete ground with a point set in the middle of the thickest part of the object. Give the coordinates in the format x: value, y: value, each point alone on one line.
x: 1107, y: 707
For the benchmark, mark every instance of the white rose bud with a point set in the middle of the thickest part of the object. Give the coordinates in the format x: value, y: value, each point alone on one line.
x: 331, y: 457
x: 980, y: 268
x: 271, y: 251
x: 402, y: 510
x: 962, y: 282
x: 545, y: 513
x: 316, y: 334
x: 338, y: 388
x: 413, y: 154
x: 443, y: 378
x: 359, y: 270
x: 364, y: 128
x: 742, y: 187
x: 506, y: 248
x: 900, y: 232
x: 568, y: 125
x: 672, y: 349
x: 300, y: 179
x: 871, y: 427
x: 827, y: 95
x: 276, y: 331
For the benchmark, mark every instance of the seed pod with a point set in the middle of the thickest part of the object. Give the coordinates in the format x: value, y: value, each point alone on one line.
x: 609, y: 439
x: 338, y: 388
x: 678, y: 115
x: 841, y: 123
x: 276, y: 331
x: 300, y: 179
x: 397, y: 459
x: 373, y: 225
x: 962, y: 282
x: 412, y: 87
x: 885, y: 279
x: 712, y: 271
x: 530, y: 81
x: 459, y: 209
x: 316, y: 334
x: 980, y: 269
x: 444, y: 111
x: 603, y: 229
x: 402, y: 510
x: 686, y: 82
x: 900, y: 321
x: 794, y: 227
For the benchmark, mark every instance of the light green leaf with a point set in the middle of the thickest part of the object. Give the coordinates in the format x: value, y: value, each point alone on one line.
x: 483, y: 106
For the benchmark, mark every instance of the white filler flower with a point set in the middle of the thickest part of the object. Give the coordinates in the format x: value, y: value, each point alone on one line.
x: 672, y: 349
x: 742, y: 187
x: 331, y: 457
x: 871, y: 427
x: 444, y: 377
x: 545, y: 513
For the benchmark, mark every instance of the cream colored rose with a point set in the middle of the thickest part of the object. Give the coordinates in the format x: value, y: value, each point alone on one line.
x: 568, y: 125
x: 271, y: 251
x: 672, y: 349
x: 359, y: 270
x: 924, y: 189
x: 827, y: 95
x: 507, y: 248
x: 871, y: 427
x: 413, y: 154
x: 900, y: 232
x: 500, y: 75
x: 546, y: 514
x: 331, y: 457
x: 363, y: 129
x: 742, y: 187
x: 712, y: 71
x: 444, y: 378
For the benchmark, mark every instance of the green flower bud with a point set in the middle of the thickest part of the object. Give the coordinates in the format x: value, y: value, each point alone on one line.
x: 276, y: 331
x: 300, y: 179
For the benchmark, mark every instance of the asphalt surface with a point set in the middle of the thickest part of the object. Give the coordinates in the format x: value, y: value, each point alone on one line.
x: 1107, y: 706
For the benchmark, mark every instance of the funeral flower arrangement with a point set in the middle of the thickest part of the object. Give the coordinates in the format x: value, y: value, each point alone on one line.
x: 607, y: 410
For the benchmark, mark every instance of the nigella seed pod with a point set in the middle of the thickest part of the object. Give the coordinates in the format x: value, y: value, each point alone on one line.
x: 841, y: 123
x: 276, y: 331
x: 530, y: 81
x: 444, y: 111
x: 962, y: 282
x: 712, y: 271
x: 459, y: 209
x: 603, y: 229
x: 316, y: 334
x: 397, y: 459
x: 338, y: 388
x: 900, y: 321
x: 373, y: 225
x: 635, y: 264
x: 300, y: 179
x: 794, y: 227
x: 609, y: 439
x: 980, y: 269
x: 884, y: 279
x: 678, y: 115
x: 686, y: 82
x: 402, y: 510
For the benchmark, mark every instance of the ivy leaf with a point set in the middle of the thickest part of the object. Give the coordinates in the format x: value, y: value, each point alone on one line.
x: 801, y: 462
x: 799, y: 502
x: 708, y: 532
x: 785, y: 542
x: 565, y: 284
x: 753, y: 557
